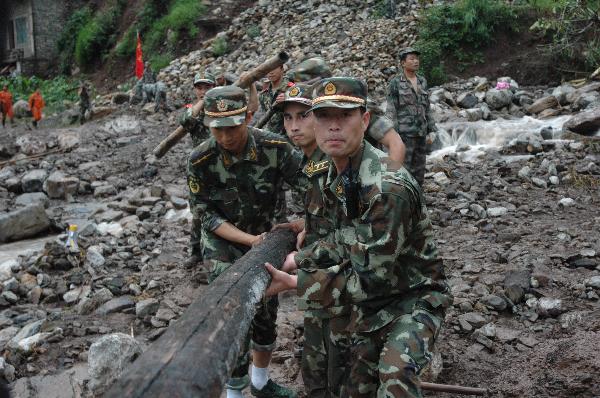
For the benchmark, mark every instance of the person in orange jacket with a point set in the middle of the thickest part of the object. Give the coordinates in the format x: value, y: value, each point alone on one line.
x: 6, y: 108
x: 36, y: 104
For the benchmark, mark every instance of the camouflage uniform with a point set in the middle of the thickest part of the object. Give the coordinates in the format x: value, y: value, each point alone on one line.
x: 410, y: 111
x: 84, y: 103
x: 266, y: 99
x: 377, y: 272
x: 239, y: 190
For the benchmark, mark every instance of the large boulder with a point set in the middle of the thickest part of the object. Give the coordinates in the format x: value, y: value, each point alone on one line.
x: 30, y: 145
x: 561, y: 93
x: 497, y: 99
x: 586, y: 122
x: 108, y: 357
x: 467, y: 100
x: 543, y: 104
x: 21, y: 109
x: 59, y: 186
x: 33, y: 181
x: 31, y: 198
x: 23, y: 223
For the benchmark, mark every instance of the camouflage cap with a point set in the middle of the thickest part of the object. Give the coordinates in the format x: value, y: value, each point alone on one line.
x: 407, y: 50
x: 299, y: 93
x: 204, y: 77
x: 217, y: 71
x: 339, y: 92
x: 224, y: 106
x: 309, y: 69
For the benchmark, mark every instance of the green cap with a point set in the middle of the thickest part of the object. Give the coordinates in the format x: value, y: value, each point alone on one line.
x: 339, y: 92
x: 407, y: 50
x: 204, y: 77
x: 299, y: 93
x: 309, y: 69
x: 224, y: 106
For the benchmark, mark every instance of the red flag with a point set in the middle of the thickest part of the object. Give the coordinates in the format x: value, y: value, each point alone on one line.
x: 139, y: 63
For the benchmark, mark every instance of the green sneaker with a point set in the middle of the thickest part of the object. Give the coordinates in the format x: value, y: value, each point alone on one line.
x: 272, y: 390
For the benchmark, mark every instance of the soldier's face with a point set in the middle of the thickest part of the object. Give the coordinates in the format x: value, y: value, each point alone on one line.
x: 339, y: 132
x: 233, y: 138
x: 411, y: 62
x: 200, y: 89
x: 275, y: 75
x: 299, y: 125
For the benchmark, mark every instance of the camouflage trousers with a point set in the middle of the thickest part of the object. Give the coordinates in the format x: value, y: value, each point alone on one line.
x: 387, y: 362
x: 83, y: 108
x: 196, y: 236
x: 414, y: 161
x: 218, y: 255
x: 326, y: 355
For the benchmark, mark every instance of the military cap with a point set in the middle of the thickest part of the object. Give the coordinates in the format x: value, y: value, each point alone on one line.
x: 407, y: 50
x: 218, y: 71
x: 224, y: 106
x: 339, y: 92
x: 309, y: 69
x: 204, y: 77
x: 299, y: 93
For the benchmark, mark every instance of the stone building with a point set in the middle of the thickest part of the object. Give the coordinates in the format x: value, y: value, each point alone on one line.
x: 29, y: 30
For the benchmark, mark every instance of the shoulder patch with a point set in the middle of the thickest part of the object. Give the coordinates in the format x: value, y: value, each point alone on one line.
x: 313, y: 168
x: 199, y: 156
x: 268, y: 139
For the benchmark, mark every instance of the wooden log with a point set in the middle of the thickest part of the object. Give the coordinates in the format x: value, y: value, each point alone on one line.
x: 196, y: 355
x: 453, y: 389
x: 254, y: 75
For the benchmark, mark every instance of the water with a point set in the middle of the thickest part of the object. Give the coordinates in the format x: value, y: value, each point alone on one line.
x: 482, y: 135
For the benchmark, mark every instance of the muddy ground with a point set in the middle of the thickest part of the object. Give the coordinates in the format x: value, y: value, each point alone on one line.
x: 508, y: 245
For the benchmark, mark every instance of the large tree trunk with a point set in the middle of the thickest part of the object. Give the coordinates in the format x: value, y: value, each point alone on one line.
x: 196, y: 355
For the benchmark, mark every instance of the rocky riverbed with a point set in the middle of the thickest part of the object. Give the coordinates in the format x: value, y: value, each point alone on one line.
x: 512, y: 190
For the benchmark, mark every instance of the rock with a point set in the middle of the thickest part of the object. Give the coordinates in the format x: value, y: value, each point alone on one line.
x: 586, y: 122
x: 566, y: 202
x: 561, y: 93
x: 10, y: 297
x: 547, y: 133
x: 26, y: 331
x: 116, y: 305
x: 73, y: 296
x: 30, y: 145
x: 549, y: 307
x: 538, y: 182
x: 68, y: 139
x: 543, y: 104
x: 21, y: 109
x: 554, y: 180
x: 495, y: 302
x: 119, y: 98
x: 59, y: 186
x: 178, y: 202
x: 31, y: 198
x: 516, y: 283
x: 475, y: 319
x: 593, y: 282
x: 478, y: 210
x: 28, y: 344
x: 94, y: 257
x: 146, y: 308
x: 467, y: 100
x: 108, y: 357
x: 66, y: 384
x: 497, y: 99
x: 6, y: 334
x: 7, y: 268
x: 33, y: 181
x: 497, y: 211
x: 440, y: 178
x: 472, y: 115
x: 23, y: 223
x: 104, y: 190
x: 524, y: 172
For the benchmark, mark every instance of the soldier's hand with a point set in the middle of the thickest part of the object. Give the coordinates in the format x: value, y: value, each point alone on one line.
x: 296, y: 226
x: 300, y: 239
x: 289, y: 265
x: 280, y: 281
x: 258, y: 239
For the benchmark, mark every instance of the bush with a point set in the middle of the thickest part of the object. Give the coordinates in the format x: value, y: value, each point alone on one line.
x: 68, y: 37
x: 97, y: 36
x: 182, y: 16
x: 219, y: 46
x: 253, y: 31
x: 460, y: 30
x: 160, y: 61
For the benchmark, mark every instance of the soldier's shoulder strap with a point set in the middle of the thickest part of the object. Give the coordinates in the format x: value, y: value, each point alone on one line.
x: 313, y: 168
x: 267, y: 139
x: 203, y: 153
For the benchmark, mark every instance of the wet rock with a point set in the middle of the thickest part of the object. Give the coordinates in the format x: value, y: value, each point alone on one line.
x: 472, y: 114
x: 593, y: 282
x: 146, y: 308
x: 516, y: 283
x: 497, y: 99
x: 32, y: 198
x: 33, y: 181
x: 6, y: 334
x: 549, y: 307
x: 538, y: 182
x: 495, y: 302
x: 543, y: 104
x: 108, y: 357
x: 23, y: 223
x: 94, y: 256
x: 586, y: 122
x: 475, y: 319
x: 10, y: 297
x: 561, y: 93
x: 497, y: 211
x: 467, y: 100
x: 59, y: 186
x: 7, y: 268
x: 566, y: 202
x: 116, y: 305
x: 26, y: 331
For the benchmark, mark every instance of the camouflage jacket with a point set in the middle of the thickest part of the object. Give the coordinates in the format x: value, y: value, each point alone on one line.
x: 195, y: 126
x: 379, y: 123
x: 266, y: 99
x: 241, y: 190
x: 409, y: 110
x: 315, y: 170
x: 384, y: 262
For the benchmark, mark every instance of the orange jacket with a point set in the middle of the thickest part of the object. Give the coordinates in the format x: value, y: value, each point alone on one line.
x: 36, y: 104
x: 6, y: 103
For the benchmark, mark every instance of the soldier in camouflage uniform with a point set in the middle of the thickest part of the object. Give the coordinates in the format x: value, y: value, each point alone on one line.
x: 266, y: 98
x: 376, y: 273
x: 232, y: 179
x: 409, y: 108
x: 199, y: 133
x: 84, y: 102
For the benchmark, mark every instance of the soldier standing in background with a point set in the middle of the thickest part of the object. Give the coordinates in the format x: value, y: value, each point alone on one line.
x: 410, y: 111
x: 84, y: 102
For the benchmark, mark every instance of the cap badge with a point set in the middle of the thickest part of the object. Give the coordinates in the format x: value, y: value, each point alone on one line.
x: 221, y: 105
x: 330, y: 89
x: 294, y: 92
